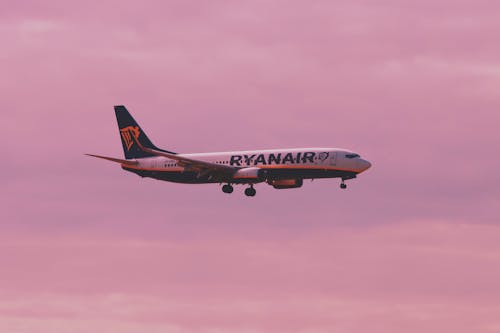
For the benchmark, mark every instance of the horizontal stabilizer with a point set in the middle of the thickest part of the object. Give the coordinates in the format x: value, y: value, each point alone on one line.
x: 116, y: 160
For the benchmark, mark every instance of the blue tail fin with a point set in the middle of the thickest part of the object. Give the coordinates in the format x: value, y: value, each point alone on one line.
x: 129, y: 129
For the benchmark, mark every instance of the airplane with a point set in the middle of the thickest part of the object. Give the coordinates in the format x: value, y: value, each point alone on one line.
x: 280, y: 168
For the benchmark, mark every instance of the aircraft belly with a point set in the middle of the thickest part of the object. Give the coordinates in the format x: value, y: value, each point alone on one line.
x: 171, y: 176
x: 285, y: 173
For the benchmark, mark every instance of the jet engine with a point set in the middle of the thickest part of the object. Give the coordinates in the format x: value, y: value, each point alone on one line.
x: 285, y: 183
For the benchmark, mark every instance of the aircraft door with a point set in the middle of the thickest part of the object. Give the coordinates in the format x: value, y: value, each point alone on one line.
x: 333, y: 158
x: 156, y: 163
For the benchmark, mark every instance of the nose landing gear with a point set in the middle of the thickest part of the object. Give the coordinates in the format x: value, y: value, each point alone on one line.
x: 343, y: 185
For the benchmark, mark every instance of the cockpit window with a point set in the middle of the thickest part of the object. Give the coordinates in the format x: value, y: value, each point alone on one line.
x: 351, y: 155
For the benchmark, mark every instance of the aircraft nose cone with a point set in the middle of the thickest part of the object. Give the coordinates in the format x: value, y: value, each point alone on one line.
x: 364, y: 164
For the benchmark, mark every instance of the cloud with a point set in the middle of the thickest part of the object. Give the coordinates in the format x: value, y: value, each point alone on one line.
x: 418, y: 275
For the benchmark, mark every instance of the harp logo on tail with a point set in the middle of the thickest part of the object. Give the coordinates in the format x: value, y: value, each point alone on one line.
x: 127, y: 133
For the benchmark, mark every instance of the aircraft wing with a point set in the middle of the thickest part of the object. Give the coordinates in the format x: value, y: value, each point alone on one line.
x: 202, y: 167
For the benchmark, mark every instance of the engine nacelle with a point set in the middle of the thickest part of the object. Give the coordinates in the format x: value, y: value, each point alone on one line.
x: 285, y: 183
x: 255, y: 174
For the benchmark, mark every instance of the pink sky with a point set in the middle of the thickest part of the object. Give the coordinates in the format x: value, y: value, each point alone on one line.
x: 411, y: 246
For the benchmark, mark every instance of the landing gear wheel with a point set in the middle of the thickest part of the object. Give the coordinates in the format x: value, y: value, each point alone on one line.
x: 227, y: 188
x: 250, y: 192
x: 343, y: 185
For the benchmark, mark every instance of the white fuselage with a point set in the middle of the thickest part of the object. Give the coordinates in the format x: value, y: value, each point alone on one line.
x: 304, y: 163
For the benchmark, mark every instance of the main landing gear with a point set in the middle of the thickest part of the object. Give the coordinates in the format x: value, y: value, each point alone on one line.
x: 227, y: 188
x: 343, y: 185
x: 250, y: 191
